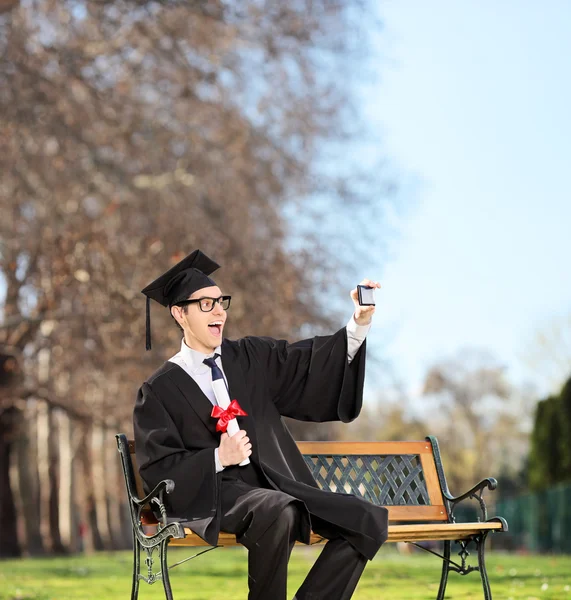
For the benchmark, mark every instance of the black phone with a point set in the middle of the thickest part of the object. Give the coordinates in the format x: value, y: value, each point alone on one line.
x: 366, y: 295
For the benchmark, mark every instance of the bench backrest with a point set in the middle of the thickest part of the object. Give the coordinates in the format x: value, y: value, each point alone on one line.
x: 402, y: 476
x: 405, y: 477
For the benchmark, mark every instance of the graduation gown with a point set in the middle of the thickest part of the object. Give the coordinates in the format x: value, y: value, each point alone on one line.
x: 310, y: 380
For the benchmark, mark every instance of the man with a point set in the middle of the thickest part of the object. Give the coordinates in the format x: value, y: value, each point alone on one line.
x: 273, y: 500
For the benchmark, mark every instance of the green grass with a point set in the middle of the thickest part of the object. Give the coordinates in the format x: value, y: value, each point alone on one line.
x: 221, y: 575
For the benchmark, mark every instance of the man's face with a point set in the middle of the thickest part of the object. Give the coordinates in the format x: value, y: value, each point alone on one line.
x: 202, y: 330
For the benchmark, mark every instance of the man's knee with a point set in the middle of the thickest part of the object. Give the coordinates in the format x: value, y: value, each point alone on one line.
x: 288, y: 519
x: 290, y: 514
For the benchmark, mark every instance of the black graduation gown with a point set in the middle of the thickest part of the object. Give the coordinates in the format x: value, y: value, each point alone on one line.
x: 310, y: 380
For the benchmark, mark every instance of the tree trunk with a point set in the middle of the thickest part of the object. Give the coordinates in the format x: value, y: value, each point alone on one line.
x: 28, y: 484
x: 88, y: 527
x: 112, y: 496
x: 100, y: 484
x: 43, y: 472
x: 53, y: 477
x: 65, y: 484
x: 9, y: 546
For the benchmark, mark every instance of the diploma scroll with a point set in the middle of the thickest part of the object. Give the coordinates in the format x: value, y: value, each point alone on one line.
x: 223, y: 399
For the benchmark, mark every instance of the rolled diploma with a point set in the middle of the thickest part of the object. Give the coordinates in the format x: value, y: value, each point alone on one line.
x: 223, y: 400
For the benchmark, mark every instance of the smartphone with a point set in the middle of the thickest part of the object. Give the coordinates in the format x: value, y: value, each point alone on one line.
x: 366, y: 295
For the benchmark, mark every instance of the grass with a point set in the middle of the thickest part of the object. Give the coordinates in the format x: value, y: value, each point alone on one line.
x: 221, y: 575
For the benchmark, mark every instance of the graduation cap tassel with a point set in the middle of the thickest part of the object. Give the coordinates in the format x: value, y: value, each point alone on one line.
x: 148, y: 331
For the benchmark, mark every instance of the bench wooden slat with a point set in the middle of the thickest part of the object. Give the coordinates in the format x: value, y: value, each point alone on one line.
x: 417, y: 513
x: 364, y: 448
x: 397, y: 533
x: 439, y: 531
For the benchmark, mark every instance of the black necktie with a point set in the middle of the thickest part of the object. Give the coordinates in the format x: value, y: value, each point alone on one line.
x: 216, y: 370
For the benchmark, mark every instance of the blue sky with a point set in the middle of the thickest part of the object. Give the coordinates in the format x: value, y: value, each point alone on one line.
x: 473, y: 104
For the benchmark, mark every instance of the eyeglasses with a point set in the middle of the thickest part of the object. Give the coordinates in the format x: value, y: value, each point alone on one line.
x: 207, y: 304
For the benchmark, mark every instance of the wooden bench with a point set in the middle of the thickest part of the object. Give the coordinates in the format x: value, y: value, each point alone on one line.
x: 405, y: 477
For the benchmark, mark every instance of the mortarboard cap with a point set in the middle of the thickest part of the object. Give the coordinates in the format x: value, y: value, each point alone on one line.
x: 178, y: 283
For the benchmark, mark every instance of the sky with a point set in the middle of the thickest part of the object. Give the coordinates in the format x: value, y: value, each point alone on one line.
x: 473, y: 102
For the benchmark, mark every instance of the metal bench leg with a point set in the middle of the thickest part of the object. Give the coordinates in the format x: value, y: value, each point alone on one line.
x: 136, y: 569
x: 165, y: 570
x: 445, y: 570
x: 481, y: 543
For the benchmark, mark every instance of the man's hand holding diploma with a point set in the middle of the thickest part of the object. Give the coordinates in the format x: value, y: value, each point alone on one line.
x: 235, y: 449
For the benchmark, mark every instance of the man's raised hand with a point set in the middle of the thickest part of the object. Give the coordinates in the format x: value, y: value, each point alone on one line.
x: 233, y: 450
x: 363, y: 314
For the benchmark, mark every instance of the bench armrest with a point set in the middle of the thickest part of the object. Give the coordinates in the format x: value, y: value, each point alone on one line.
x: 166, y: 485
x: 476, y: 493
x: 156, y: 496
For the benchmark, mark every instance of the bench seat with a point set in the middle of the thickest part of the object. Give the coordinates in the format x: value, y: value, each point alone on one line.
x: 397, y: 533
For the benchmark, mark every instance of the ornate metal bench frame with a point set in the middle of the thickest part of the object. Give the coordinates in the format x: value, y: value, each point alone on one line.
x: 406, y: 477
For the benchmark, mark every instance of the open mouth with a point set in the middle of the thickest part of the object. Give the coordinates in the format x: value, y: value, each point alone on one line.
x: 216, y: 328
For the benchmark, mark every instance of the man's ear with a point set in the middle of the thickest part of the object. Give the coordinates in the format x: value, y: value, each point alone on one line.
x: 175, y: 312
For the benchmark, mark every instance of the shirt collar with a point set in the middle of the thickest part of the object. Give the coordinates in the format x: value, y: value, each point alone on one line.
x: 193, y: 358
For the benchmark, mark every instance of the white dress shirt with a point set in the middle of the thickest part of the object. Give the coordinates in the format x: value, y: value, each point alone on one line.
x: 192, y: 362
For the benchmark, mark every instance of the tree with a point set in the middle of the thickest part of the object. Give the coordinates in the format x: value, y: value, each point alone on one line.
x: 9, y: 368
x: 564, y: 446
x: 479, y: 418
x: 9, y: 374
x: 135, y: 131
x: 548, y: 352
x: 544, y: 456
x: 550, y: 456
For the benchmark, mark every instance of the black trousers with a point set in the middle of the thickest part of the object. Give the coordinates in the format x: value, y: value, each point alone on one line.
x: 267, y: 522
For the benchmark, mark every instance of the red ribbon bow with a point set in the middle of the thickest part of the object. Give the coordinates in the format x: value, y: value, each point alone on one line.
x: 225, y: 416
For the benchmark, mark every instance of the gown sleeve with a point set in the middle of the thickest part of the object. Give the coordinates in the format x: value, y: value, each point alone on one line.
x: 312, y: 380
x: 161, y: 454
